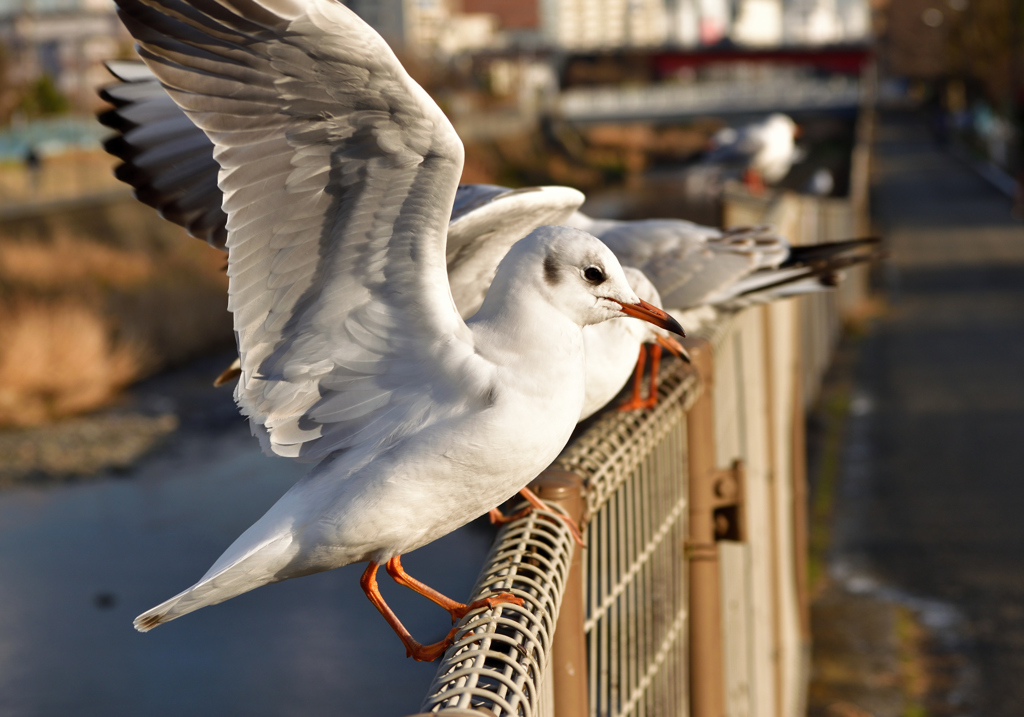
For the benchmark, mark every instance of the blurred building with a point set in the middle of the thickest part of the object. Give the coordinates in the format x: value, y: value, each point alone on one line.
x: 590, y: 24
x: 65, y: 40
x: 411, y: 25
x: 446, y: 27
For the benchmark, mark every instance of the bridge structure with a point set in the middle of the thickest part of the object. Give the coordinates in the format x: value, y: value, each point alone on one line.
x: 675, y: 84
x: 675, y: 101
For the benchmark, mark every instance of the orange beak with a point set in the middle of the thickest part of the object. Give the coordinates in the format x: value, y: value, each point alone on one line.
x: 652, y: 315
x: 798, y: 132
x: 673, y: 347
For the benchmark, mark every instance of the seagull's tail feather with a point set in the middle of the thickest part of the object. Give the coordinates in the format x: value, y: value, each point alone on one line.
x: 226, y: 584
x: 770, y: 285
x: 183, y: 603
x: 246, y: 565
x: 811, y: 253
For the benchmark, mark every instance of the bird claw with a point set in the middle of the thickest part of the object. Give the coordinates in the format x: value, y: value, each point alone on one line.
x: 486, y: 603
x: 577, y: 536
x: 429, y: 653
x: 498, y: 518
x: 635, y: 404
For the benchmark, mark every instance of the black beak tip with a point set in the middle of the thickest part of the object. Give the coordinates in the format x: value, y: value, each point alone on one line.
x: 674, y: 327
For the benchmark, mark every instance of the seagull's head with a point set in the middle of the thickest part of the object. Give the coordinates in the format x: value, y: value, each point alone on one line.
x: 783, y: 124
x: 579, y: 276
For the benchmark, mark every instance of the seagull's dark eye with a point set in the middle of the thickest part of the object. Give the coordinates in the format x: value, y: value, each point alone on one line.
x: 593, y: 275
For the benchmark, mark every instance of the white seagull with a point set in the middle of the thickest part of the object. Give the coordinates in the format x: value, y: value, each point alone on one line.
x: 486, y: 221
x: 339, y: 175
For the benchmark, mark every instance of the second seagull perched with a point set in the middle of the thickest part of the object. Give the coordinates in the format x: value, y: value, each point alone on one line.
x: 339, y: 175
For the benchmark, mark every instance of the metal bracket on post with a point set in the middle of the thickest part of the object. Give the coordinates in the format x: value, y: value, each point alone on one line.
x: 569, y: 645
x: 729, y: 502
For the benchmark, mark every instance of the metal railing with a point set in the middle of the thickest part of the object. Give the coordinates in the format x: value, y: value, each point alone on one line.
x: 500, y: 655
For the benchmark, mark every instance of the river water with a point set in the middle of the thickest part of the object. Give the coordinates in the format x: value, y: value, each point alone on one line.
x: 79, y: 561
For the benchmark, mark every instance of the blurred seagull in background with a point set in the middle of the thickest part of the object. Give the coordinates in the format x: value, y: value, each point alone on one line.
x: 765, y: 151
x: 338, y: 176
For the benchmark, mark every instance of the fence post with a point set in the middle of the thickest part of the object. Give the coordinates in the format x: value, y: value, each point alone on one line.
x: 707, y: 679
x: 801, y: 519
x: 569, y: 645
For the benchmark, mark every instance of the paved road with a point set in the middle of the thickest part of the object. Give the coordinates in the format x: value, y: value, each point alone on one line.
x: 943, y: 506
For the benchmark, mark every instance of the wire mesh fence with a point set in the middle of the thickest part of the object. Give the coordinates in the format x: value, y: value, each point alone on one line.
x: 634, y: 466
x: 634, y: 470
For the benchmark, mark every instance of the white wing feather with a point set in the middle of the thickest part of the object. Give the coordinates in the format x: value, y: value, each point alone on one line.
x: 486, y: 222
x: 338, y: 174
x: 156, y: 134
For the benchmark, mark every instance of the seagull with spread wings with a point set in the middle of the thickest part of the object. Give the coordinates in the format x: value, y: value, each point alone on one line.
x: 338, y: 176
x: 169, y: 162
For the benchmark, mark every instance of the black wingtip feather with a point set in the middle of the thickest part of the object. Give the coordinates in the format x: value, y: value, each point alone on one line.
x: 811, y: 253
x: 826, y: 270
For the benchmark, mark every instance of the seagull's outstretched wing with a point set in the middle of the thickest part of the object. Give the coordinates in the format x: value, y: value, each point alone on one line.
x: 736, y: 147
x: 165, y: 157
x: 486, y: 221
x: 338, y: 174
x: 169, y: 162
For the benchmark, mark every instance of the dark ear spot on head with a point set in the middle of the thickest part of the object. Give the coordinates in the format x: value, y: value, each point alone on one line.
x: 551, y: 270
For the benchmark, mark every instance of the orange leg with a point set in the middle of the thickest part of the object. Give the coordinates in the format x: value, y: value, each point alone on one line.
x: 635, y: 402
x: 457, y: 610
x: 754, y: 181
x: 498, y: 518
x: 537, y: 503
x: 413, y: 649
x: 652, y: 396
